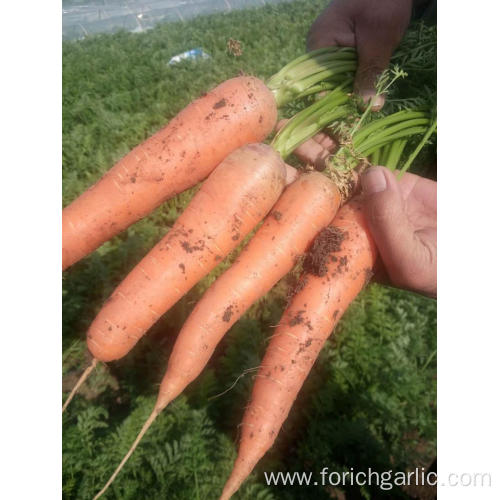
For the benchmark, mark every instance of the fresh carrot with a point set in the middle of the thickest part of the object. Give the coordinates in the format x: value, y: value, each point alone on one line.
x: 117, y: 328
x: 336, y: 269
x: 237, y: 112
x: 303, y: 210
x: 235, y: 197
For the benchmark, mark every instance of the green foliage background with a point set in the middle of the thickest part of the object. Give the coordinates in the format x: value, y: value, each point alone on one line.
x: 370, y: 399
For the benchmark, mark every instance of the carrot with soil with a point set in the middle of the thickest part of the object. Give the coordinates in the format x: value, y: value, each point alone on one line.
x: 303, y: 210
x: 237, y: 112
x: 145, y: 295
x: 336, y: 269
x: 306, y: 207
x: 236, y: 196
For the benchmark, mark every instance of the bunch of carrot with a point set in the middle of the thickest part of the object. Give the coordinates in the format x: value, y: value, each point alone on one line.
x: 239, y: 111
x: 245, y: 184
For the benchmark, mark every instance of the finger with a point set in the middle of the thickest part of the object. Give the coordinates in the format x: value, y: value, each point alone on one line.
x: 312, y: 153
x: 292, y: 174
x: 370, y: 66
x: 392, y: 231
x: 326, y: 141
x: 378, y: 32
x: 281, y: 124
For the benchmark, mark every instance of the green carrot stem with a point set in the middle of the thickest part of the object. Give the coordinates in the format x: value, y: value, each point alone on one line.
x: 375, y: 138
x: 403, y: 133
x: 319, y: 87
x: 318, y: 108
x: 327, y: 71
x: 417, y: 150
x: 298, y: 60
x: 288, y: 92
x: 324, y: 54
x: 340, y: 81
x: 310, y: 121
x: 385, y: 150
x: 381, y: 123
x: 395, y: 152
x: 314, y: 69
x: 311, y: 129
x: 307, y: 129
x: 375, y: 157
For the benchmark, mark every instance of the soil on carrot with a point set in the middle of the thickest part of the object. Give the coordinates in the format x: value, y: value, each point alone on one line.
x: 219, y: 104
x: 296, y: 287
x: 328, y: 240
x: 192, y: 248
x: 298, y: 318
x: 227, y: 313
x: 304, y: 346
x: 276, y: 215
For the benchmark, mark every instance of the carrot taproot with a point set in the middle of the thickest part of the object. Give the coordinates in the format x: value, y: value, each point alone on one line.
x: 336, y: 269
x: 230, y: 203
x: 237, y: 112
x: 304, y: 209
x: 290, y: 174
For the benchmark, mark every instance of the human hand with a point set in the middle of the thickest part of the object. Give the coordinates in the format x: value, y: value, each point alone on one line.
x: 374, y: 27
x: 401, y: 215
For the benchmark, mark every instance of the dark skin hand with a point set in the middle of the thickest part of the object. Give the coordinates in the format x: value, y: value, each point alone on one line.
x: 374, y: 27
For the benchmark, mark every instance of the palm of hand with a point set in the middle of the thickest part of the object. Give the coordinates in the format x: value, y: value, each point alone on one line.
x: 419, y: 203
x: 403, y: 222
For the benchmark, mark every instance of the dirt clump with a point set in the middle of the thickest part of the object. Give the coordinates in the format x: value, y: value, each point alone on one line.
x: 328, y: 240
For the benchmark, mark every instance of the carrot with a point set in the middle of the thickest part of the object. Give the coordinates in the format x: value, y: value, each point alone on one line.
x: 336, y: 270
x: 305, y: 208
x: 235, y: 197
x: 108, y: 346
x: 237, y: 112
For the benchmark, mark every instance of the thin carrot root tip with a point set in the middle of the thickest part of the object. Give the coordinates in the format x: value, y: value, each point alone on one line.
x: 339, y: 273
x: 230, y: 488
x: 81, y: 380
x: 143, y: 431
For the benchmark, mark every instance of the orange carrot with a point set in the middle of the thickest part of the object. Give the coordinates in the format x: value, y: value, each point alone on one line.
x: 239, y: 111
x: 336, y: 270
x: 305, y: 208
x: 235, y: 197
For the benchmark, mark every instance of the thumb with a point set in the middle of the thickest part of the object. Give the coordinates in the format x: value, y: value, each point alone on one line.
x: 384, y: 209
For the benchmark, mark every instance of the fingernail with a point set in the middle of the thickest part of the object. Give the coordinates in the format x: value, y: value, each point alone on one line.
x: 376, y: 102
x: 373, y: 181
